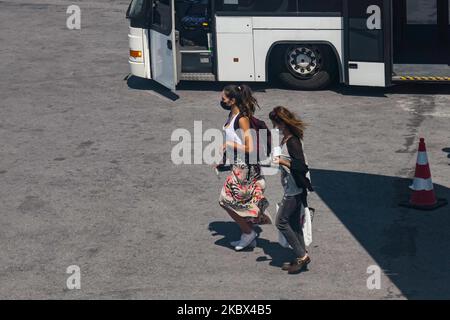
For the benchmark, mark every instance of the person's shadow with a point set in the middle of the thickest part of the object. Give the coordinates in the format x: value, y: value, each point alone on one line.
x: 230, y: 232
x: 410, y: 246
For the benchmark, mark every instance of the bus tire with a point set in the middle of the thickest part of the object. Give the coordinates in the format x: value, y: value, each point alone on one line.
x: 307, y: 67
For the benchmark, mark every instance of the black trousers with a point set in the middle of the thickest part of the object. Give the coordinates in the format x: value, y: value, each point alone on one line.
x: 288, y: 222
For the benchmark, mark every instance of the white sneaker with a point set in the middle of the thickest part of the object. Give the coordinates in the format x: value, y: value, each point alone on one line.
x: 236, y: 243
x: 246, y: 240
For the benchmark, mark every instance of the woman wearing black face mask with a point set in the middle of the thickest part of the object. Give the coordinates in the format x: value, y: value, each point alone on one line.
x: 242, y: 195
x: 224, y: 105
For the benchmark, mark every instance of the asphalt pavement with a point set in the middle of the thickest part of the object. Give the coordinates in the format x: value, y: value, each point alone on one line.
x: 86, y: 177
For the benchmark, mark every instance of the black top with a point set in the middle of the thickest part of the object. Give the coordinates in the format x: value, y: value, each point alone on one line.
x: 295, y: 149
x: 299, y: 168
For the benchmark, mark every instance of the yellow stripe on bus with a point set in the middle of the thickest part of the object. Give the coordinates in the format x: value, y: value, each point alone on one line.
x: 430, y: 78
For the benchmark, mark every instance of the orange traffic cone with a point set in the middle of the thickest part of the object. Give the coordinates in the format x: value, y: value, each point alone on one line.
x: 423, y: 196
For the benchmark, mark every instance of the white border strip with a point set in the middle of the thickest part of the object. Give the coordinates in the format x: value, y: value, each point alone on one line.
x: 420, y: 184
x: 422, y: 158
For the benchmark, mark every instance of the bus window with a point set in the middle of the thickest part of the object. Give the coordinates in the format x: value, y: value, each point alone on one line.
x: 137, y: 13
x: 421, y: 11
x: 136, y: 9
x: 257, y: 6
x: 320, y: 5
x: 279, y: 6
x: 162, y: 16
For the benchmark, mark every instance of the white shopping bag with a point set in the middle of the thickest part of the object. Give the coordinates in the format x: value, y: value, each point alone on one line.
x: 305, y: 219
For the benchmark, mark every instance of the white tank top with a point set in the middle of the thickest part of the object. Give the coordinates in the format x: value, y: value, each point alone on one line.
x: 231, y: 134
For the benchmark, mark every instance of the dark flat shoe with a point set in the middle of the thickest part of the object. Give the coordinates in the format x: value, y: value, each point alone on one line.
x: 299, y: 265
x: 287, y: 265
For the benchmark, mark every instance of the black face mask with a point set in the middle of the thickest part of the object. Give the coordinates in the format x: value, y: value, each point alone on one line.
x: 225, y: 106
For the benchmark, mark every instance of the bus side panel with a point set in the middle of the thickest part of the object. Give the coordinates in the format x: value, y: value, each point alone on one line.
x: 235, y: 61
x: 299, y: 23
x: 139, y: 66
x: 367, y: 74
x: 270, y: 30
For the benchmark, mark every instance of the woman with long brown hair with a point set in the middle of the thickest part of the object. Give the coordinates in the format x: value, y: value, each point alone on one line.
x: 242, y: 195
x: 296, y: 183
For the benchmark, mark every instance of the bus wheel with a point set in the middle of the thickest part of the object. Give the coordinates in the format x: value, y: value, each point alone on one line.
x: 307, y: 67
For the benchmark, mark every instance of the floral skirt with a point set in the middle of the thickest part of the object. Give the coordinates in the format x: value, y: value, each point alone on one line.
x: 243, y: 193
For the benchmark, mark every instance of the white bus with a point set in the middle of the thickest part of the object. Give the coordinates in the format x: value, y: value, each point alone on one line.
x: 305, y: 44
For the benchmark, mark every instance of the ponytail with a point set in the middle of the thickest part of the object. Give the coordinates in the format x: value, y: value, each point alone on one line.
x: 249, y: 100
x: 245, y: 100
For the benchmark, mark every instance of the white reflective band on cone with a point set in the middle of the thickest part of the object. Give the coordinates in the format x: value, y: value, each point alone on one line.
x: 422, y: 184
x: 422, y: 158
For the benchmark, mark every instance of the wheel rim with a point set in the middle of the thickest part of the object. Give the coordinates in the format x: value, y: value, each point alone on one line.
x: 303, y: 61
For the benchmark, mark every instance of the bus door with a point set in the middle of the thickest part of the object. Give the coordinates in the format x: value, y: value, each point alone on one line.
x: 164, y: 44
x: 422, y: 32
x: 139, y: 15
x: 367, y: 40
